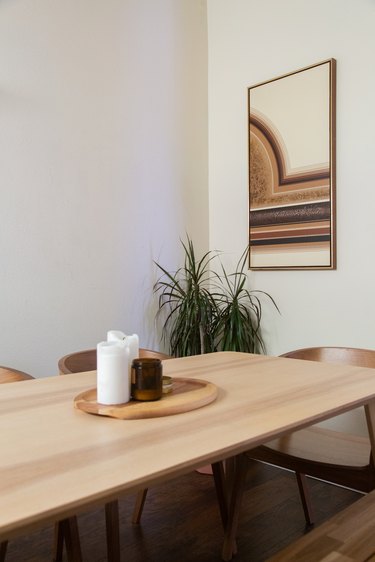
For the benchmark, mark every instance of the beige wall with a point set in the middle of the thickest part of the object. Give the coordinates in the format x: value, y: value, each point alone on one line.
x: 103, y: 166
x: 251, y: 41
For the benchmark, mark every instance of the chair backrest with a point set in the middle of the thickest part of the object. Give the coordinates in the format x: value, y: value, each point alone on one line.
x: 12, y: 375
x: 82, y: 361
x: 348, y: 355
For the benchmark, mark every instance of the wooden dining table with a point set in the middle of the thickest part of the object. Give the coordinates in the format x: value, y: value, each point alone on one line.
x: 57, y: 461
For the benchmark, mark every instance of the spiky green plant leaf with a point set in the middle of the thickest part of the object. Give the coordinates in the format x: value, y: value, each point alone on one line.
x: 204, y: 311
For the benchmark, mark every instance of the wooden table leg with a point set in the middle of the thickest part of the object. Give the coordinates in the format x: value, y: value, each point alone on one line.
x: 58, y: 547
x: 3, y: 550
x: 113, y: 531
x: 221, y: 491
x: 66, y: 531
x: 236, y: 490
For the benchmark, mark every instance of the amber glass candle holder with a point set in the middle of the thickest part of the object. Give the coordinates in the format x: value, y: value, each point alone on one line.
x: 146, y: 379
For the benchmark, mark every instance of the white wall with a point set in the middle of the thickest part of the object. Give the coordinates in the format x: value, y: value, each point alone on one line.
x: 255, y: 40
x: 103, y: 166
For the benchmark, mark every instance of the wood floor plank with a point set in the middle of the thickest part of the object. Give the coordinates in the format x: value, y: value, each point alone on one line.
x: 349, y: 535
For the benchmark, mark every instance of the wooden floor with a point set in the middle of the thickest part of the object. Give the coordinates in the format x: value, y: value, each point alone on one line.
x: 181, y: 521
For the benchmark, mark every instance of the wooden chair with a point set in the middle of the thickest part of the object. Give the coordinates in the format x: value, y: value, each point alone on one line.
x: 79, y: 362
x: 83, y: 361
x: 12, y: 375
x: 338, y: 457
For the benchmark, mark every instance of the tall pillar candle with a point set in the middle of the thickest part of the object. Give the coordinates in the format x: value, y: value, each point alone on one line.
x: 115, y: 335
x: 112, y: 373
x: 132, y: 342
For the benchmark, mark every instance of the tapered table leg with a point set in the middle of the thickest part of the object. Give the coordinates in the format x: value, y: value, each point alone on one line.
x: 113, y: 531
x: 3, y: 550
x: 236, y: 491
x: 66, y: 531
x: 221, y: 491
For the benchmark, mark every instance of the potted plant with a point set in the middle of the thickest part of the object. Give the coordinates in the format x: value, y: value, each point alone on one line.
x: 240, y: 311
x: 205, y: 311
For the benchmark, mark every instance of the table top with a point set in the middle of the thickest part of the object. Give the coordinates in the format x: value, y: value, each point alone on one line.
x: 56, y: 461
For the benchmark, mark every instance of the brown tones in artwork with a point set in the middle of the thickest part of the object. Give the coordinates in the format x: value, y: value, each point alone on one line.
x: 292, y: 170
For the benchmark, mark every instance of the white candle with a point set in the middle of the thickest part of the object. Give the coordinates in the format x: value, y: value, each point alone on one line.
x: 132, y: 342
x: 113, y: 373
x: 115, y: 335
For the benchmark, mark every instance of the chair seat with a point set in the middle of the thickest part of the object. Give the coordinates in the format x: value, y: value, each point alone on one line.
x: 322, y: 445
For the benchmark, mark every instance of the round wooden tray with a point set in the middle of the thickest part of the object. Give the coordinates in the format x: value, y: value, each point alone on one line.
x: 186, y: 395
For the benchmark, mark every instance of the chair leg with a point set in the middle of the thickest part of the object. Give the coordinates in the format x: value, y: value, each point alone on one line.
x: 305, y: 498
x: 66, y: 531
x: 235, y: 500
x: 138, y: 508
x: 3, y: 550
x: 113, y: 531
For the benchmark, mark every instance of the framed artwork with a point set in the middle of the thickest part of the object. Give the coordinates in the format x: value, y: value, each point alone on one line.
x: 292, y: 170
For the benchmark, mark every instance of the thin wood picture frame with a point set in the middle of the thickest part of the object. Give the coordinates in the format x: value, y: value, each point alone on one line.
x: 292, y: 170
